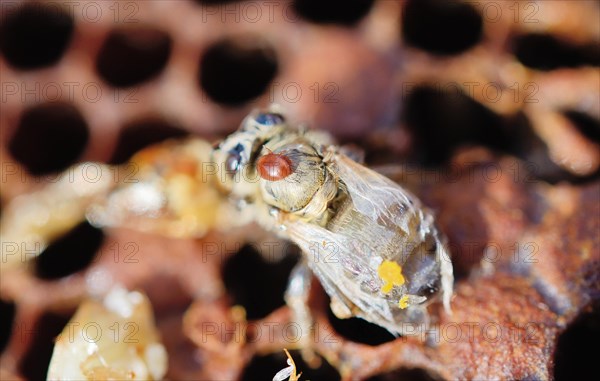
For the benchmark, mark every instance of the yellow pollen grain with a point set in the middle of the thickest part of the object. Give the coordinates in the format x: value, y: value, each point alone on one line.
x: 391, y: 273
x: 387, y: 287
x: 403, y: 303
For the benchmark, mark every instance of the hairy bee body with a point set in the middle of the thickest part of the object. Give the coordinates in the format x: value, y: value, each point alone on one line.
x: 372, y: 245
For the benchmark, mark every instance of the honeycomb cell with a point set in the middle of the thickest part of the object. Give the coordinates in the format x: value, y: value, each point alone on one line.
x: 71, y: 253
x: 573, y: 359
x: 34, y: 35
x: 235, y: 71
x: 441, y: 27
x: 528, y: 146
x: 359, y: 330
x: 131, y: 56
x: 142, y: 133
x: 7, y: 317
x: 256, y: 284
x: 49, y: 138
x: 586, y: 124
x: 547, y: 52
x: 441, y: 121
x: 332, y: 12
x: 34, y: 364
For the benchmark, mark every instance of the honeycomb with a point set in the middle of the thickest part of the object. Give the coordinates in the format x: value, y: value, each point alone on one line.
x: 488, y: 110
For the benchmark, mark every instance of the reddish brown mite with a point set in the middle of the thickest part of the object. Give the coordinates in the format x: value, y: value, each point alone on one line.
x: 274, y: 167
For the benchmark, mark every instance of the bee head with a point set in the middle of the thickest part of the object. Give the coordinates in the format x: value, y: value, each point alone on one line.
x: 236, y: 154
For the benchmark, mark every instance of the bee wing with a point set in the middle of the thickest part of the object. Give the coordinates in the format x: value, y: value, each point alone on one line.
x: 374, y: 195
x: 344, y: 273
x: 347, y: 262
x: 388, y: 203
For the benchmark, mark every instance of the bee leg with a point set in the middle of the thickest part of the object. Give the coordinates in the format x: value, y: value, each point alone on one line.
x: 296, y: 297
x: 447, y: 275
x: 339, y: 309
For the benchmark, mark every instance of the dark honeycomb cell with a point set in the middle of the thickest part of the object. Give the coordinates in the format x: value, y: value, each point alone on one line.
x: 529, y: 147
x: 235, y: 71
x: 131, y: 56
x: 574, y: 358
x: 586, y: 124
x: 49, y: 138
x: 256, y: 284
x: 265, y: 367
x: 359, y: 330
x: 332, y: 12
x: 71, y: 253
x: 140, y: 134
x: 7, y: 317
x: 547, y: 52
x: 441, y: 27
x: 407, y: 374
x: 443, y: 119
x: 34, y: 35
x: 34, y: 364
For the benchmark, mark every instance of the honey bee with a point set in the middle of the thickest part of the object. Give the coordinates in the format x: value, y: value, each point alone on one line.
x: 372, y: 245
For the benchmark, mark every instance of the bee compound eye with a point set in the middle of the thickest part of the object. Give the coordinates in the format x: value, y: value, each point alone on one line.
x: 274, y: 167
x: 233, y: 162
x: 269, y: 119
